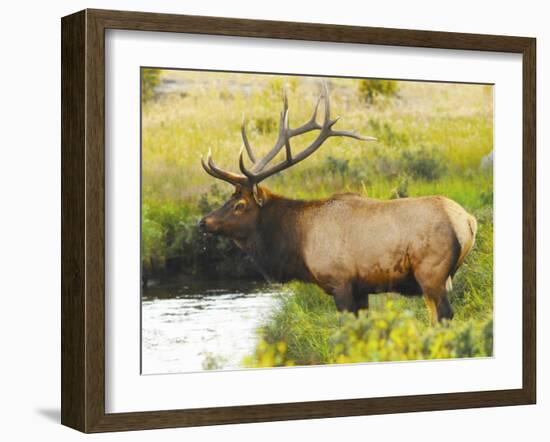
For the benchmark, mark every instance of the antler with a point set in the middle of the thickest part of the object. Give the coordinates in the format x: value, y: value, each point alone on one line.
x: 230, y: 177
x: 259, y: 171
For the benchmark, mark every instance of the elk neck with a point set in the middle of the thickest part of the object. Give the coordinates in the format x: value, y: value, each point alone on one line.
x: 277, y: 244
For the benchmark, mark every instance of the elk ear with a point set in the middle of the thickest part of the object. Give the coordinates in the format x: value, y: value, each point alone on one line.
x: 259, y: 194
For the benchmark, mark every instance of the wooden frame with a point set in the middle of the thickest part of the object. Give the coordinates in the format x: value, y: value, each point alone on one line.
x: 83, y: 216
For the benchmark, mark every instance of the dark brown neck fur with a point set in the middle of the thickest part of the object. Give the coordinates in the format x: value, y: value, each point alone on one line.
x: 276, y: 247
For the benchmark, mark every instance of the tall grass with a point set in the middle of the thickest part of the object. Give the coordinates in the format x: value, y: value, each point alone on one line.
x: 304, y: 321
x: 178, y: 128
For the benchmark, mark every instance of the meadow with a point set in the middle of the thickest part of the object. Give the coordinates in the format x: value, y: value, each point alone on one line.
x: 431, y: 138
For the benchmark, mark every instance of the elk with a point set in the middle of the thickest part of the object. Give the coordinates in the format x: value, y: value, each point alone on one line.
x: 349, y: 245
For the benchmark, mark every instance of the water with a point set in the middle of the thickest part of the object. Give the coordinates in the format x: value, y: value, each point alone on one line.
x: 185, y: 325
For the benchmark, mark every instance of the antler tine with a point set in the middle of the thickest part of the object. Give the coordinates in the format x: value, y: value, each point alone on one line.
x: 327, y: 106
x: 351, y: 134
x: 285, y: 100
x: 252, y: 177
x: 246, y: 143
x: 207, y: 169
x: 287, y: 140
x: 216, y: 172
x: 280, y: 139
x: 310, y: 125
x: 243, y: 168
x: 210, y: 172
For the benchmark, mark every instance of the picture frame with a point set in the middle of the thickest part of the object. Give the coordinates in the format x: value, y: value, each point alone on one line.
x: 83, y: 307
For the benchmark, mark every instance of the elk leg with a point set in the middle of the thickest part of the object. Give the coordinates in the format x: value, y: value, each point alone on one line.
x: 433, y: 277
x: 344, y: 299
x: 435, y: 298
x: 431, y: 304
x: 361, y: 299
x: 444, y: 309
x: 438, y: 304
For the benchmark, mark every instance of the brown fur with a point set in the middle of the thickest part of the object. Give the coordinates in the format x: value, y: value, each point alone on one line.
x: 352, y: 246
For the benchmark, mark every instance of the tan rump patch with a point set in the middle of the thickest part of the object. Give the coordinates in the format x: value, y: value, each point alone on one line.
x: 464, y: 226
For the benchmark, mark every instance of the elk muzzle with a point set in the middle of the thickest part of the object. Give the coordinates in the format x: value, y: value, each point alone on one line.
x: 207, y: 225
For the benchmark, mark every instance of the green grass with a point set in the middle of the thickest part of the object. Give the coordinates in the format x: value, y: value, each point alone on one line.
x: 431, y: 139
x: 304, y: 321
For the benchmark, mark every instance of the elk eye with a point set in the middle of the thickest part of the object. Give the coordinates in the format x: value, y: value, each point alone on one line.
x: 239, y: 206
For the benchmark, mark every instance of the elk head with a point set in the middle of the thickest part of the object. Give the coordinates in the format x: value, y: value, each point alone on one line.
x: 237, y: 218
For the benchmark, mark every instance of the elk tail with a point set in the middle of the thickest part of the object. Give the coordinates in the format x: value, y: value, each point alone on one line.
x: 467, y: 242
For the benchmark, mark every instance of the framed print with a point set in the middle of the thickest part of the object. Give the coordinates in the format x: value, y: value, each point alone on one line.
x: 266, y: 221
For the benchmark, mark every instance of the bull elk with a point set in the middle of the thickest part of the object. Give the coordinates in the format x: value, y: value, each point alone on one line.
x: 349, y: 245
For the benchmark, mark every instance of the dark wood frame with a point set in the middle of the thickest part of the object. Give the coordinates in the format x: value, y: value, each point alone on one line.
x: 83, y: 216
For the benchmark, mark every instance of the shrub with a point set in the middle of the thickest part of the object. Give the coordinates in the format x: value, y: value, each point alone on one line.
x: 369, y: 90
x: 387, y: 166
x: 388, y: 135
x: 265, y: 125
x: 274, y: 87
x: 486, y: 198
x: 337, y: 166
x: 152, y: 249
x: 150, y: 79
x: 423, y: 164
x: 402, y: 189
x: 269, y: 355
x: 172, y: 243
x: 394, y: 334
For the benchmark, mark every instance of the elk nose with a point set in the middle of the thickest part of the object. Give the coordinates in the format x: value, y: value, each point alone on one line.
x: 202, y: 224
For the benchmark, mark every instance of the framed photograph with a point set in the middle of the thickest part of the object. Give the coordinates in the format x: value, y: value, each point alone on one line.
x: 267, y: 220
